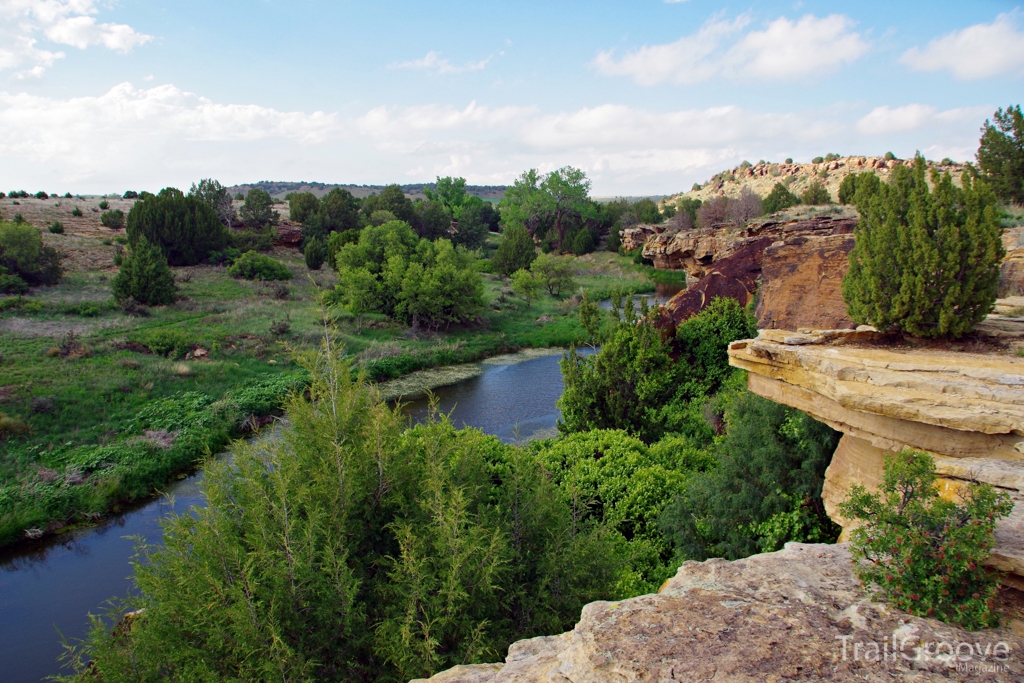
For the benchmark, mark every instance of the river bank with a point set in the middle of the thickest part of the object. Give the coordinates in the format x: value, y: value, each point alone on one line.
x: 53, y: 583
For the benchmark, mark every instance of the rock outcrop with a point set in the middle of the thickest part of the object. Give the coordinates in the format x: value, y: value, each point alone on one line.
x: 966, y: 409
x: 734, y: 276
x: 288, y: 234
x: 802, y: 284
x: 794, y: 614
x: 635, y: 237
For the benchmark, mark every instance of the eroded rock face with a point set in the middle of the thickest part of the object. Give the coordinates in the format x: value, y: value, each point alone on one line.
x: 795, y: 614
x: 966, y: 409
x: 734, y: 276
x: 634, y: 238
x: 288, y: 234
x: 802, y: 284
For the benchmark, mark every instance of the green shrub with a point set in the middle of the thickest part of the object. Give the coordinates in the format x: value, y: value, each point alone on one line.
x: 557, y: 274
x: 302, y: 205
x: 144, y: 276
x: 41, y: 195
x: 779, y: 198
x: 583, y: 242
x: 255, y: 239
x: 255, y: 266
x: 185, y: 229
x: 104, y: 204
x: 257, y: 211
x: 76, y: 212
x: 925, y: 263
x: 889, y: 156
x: 165, y: 341
x: 815, y: 194
x: 614, y: 240
x: 130, y: 194
x: 112, y: 219
x: 848, y: 188
x: 11, y: 284
x: 925, y: 553
x: 11, y: 427
x: 56, y: 227
x: 817, y: 160
x: 517, y: 250
x: 315, y: 254
x: 24, y: 255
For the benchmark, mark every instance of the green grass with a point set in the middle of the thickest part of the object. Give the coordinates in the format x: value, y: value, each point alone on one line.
x: 78, y: 373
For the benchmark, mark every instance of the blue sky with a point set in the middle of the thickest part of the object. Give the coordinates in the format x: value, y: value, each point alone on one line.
x: 647, y: 96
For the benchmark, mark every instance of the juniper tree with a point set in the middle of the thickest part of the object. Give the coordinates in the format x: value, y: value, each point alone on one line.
x: 145, y: 276
x: 1001, y: 154
x: 925, y: 262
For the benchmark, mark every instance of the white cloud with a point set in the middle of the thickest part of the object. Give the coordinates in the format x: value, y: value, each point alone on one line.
x: 147, y: 138
x: 784, y: 50
x: 978, y: 51
x: 64, y: 22
x: 433, y: 61
x: 885, y: 119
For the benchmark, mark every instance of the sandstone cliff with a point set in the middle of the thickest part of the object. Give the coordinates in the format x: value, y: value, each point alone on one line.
x: 761, y: 178
x: 966, y: 409
x: 794, y: 614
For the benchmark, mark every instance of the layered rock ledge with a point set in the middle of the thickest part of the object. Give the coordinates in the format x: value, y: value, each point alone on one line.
x: 966, y: 409
x: 794, y: 614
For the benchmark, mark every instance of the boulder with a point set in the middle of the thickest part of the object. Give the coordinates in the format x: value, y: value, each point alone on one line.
x: 801, y: 283
x: 966, y: 409
x: 734, y: 276
x: 634, y: 238
x: 1011, y: 274
x: 288, y: 234
x: 798, y: 613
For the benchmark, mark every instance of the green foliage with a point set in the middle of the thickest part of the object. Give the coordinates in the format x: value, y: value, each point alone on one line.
x: 315, y: 254
x: 477, y: 219
x: 815, y: 194
x: 216, y: 196
x: 392, y: 199
x: 525, y: 284
x: 24, y: 255
x: 517, y: 250
x: 925, y: 553
x: 645, y: 384
x: 76, y: 212
x: 113, y: 219
x: 337, y: 211
x: 104, y: 204
x: 583, y: 242
x: 144, y: 276
x: 1001, y: 154
x: 11, y: 283
x: 770, y: 463
x: 817, y: 160
x: 255, y: 266
x: 590, y: 320
x: 381, y: 216
x: 257, y: 211
x: 618, y: 481
x: 252, y: 239
x: 440, y: 547
x: 56, y: 227
x: 302, y: 205
x: 779, y: 198
x: 925, y: 263
x: 184, y: 228
x: 129, y: 194
x: 556, y: 274
x: 889, y: 156
x: 614, y: 242
x: 390, y: 270
x: 559, y: 201
x: 449, y: 193
x: 848, y: 188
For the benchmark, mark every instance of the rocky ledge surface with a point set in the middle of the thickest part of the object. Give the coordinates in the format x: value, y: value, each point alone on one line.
x: 966, y: 409
x: 798, y: 613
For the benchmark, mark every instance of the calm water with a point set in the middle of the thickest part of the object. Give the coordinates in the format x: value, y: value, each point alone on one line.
x: 662, y: 293
x: 53, y: 585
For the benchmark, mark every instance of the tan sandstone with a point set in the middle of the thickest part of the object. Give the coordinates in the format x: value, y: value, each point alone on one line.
x: 778, y: 616
x: 966, y: 409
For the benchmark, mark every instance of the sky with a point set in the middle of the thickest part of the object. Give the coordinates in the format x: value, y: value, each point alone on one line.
x: 646, y: 96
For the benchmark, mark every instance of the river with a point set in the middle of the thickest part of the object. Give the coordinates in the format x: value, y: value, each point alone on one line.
x: 51, y: 586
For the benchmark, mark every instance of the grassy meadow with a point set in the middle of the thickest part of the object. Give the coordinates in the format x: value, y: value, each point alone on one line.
x: 98, y: 407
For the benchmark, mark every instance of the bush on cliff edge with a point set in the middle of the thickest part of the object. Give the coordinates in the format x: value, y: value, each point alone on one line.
x: 925, y: 263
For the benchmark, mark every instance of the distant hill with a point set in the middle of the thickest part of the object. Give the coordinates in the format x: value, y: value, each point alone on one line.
x: 761, y: 177
x: 278, y: 189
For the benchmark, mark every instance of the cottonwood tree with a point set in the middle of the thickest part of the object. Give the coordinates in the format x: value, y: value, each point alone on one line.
x: 561, y: 199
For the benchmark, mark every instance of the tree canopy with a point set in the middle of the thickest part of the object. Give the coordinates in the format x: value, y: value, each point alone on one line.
x: 559, y: 200
x: 184, y: 228
x: 924, y: 262
x: 1001, y: 154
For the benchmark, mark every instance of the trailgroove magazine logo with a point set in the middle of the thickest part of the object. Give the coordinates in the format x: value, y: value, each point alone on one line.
x: 905, y: 646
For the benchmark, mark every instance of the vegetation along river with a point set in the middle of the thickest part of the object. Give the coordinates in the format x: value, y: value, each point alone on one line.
x: 52, y: 586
